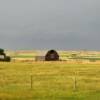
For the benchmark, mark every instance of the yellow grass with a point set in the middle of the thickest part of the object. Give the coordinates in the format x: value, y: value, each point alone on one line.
x: 50, y: 80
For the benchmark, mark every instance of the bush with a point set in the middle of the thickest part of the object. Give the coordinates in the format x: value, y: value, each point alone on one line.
x: 7, y: 59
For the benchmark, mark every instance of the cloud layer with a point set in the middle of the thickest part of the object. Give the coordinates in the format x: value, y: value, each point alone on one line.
x: 47, y: 24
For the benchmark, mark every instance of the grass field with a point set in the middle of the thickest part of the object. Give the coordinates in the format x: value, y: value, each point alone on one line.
x: 49, y: 81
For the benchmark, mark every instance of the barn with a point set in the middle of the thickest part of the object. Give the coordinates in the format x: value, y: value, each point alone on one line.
x: 52, y: 55
x: 40, y: 58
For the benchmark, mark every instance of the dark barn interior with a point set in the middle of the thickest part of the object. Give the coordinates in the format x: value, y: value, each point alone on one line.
x: 52, y: 55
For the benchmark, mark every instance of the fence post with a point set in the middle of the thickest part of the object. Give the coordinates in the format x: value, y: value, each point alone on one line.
x: 31, y: 81
x: 74, y: 84
x: 75, y: 81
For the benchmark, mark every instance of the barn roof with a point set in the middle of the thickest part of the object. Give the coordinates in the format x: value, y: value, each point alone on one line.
x: 52, y: 55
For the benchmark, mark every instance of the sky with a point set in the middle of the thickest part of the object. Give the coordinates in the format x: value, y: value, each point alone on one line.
x: 50, y: 24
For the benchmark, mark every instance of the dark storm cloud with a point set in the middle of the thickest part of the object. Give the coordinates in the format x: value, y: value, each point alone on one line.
x: 45, y: 24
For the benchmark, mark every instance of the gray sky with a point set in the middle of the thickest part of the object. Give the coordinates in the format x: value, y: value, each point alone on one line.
x: 50, y: 24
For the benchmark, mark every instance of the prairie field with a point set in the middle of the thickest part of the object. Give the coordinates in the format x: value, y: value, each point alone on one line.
x: 49, y: 81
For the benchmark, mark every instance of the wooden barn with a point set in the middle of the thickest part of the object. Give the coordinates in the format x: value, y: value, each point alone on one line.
x: 52, y: 55
x: 40, y: 58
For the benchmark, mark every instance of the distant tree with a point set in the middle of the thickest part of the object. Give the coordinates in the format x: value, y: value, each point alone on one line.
x: 1, y: 50
x: 3, y: 56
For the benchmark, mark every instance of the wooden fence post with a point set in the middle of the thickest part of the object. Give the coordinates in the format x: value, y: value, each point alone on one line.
x: 75, y: 81
x: 74, y: 84
x: 31, y: 81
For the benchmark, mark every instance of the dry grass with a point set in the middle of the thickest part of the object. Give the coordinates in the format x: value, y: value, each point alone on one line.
x: 51, y: 81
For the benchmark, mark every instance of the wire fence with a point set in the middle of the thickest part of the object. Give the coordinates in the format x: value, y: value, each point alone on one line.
x: 53, y: 82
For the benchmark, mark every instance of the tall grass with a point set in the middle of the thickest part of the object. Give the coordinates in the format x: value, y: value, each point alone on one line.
x: 50, y: 81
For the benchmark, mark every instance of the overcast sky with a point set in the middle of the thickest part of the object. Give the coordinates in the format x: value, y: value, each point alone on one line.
x: 50, y: 24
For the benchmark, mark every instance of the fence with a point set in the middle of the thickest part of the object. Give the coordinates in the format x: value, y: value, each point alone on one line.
x: 49, y: 82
